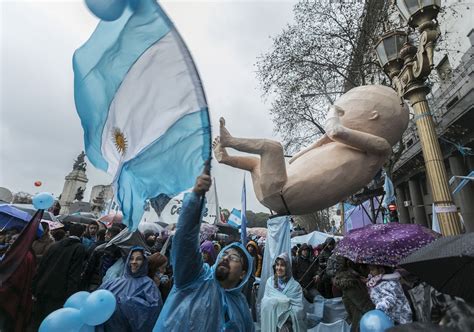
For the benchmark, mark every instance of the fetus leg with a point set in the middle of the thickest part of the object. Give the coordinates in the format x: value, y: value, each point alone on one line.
x: 272, y: 168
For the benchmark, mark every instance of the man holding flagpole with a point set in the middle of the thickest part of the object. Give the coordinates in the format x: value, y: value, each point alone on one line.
x: 205, y: 298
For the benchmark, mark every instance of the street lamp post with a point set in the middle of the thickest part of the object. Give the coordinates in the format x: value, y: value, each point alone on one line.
x: 408, y: 67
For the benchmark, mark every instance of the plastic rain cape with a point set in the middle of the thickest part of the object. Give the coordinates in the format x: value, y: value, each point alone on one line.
x: 138, y: 300
x: 279, y: 306
x: 197, y: 302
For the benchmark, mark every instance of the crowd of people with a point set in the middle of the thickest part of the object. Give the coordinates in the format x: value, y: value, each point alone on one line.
x: 179, y: 284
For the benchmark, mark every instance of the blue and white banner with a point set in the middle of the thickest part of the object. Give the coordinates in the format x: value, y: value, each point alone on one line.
x: 171, y: 210
x: 142, y: 107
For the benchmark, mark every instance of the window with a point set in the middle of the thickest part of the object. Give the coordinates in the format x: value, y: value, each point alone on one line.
x: 444, y: 70
x: 424, y: 187
x: 452, y: 102
x: 407, y: 194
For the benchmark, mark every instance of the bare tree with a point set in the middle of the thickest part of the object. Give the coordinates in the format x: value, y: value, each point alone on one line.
x: 316, y: 221
x: 326, y: 52
x: 22, y: 197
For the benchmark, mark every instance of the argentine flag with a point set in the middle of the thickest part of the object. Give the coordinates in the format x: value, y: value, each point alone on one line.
x: 235, y: 219
x: 142, y: 106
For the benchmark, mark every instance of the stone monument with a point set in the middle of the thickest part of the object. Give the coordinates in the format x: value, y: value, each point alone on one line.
x: 101, y: 197
x: 362, y: 126
x: 75, y: 184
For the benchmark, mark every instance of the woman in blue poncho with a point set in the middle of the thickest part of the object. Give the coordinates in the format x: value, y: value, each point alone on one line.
x: 138, y: 299
x: 282, y: 303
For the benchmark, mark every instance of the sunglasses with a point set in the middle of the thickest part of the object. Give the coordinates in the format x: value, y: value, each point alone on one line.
x: 232, y: 257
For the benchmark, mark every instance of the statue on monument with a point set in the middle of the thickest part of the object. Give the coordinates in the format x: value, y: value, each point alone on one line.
x: 79, y: 194
x: 362, y: 126
x: 99, y: 201
x: 79, y: 163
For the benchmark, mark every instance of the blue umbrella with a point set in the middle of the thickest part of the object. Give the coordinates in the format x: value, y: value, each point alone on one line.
x: 11, y: 217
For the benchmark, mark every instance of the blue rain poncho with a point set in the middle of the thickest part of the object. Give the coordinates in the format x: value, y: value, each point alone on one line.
x: 283, y: 302
x: 197, y: 301
x: 138, y: 299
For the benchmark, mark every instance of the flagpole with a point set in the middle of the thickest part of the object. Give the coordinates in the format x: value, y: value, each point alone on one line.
x: 243, y: 217
x: 218, y: 209
x: 207, y: 171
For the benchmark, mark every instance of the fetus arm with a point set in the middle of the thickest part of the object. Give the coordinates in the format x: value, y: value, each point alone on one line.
x: 323, y: 140
x: 356, y: 139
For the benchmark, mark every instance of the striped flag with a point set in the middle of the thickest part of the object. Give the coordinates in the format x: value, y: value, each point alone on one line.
x: 235, y: 219
x: 142, y: 107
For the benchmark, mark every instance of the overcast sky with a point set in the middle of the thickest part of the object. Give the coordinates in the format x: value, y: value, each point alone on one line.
x: 40, y: 132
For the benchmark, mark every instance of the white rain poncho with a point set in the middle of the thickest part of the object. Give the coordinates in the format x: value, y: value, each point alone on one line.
x: 280, y: 305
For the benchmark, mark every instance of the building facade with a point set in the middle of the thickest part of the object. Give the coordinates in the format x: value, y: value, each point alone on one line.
x: 452, y: 106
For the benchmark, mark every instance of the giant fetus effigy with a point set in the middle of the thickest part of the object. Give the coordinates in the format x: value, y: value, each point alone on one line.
x: 362, y: 126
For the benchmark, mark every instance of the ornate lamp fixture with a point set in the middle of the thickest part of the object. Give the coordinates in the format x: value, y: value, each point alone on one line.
x: 417, y: 12
x: 408, y: 67
x: 388, y: 52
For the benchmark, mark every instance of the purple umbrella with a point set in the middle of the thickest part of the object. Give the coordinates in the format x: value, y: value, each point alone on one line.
x: 207, y: 232
x: 384, y: 244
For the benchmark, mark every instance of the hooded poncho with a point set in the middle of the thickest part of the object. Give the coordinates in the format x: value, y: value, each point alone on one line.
x: 257, y: 259
x: 207, y: 247
x: 280, y: 305
x: 197, y: 301
x: 138, y: 299
x: 386, y: 293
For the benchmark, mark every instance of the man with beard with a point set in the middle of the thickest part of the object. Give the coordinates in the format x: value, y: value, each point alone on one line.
x: 205, y: 298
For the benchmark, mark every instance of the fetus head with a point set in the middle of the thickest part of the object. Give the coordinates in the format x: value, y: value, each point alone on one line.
x: 374, y: 109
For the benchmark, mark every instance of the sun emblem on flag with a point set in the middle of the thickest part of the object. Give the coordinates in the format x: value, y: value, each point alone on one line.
x: 120, y: 141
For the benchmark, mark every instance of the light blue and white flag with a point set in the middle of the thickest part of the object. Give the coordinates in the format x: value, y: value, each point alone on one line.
x: 142, y: 106
x: 434, y: 220
x: 464, y: 181
x: 389, y: 192
x: 243, y: 217
x: 235, y: 219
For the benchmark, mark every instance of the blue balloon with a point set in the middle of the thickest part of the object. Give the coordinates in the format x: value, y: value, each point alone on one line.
x: 76, y: 300
x: 375, y: 321
x: 107, y: 10
x: 87, y: 328
x: 62, y: 320
x: 43, y: 201
x: 98, y: 307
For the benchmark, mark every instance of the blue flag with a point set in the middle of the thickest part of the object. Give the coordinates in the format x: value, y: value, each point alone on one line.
x: 142, y: 107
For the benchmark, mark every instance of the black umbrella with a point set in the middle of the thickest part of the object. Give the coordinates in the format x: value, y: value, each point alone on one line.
x: 227, y: 229
x: 447, y: 264
x: 31, y: 211
x: 76, y: 219
x: 126, y: 240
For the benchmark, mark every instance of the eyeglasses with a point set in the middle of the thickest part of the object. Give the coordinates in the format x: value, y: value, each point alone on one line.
x: 232, y: 257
